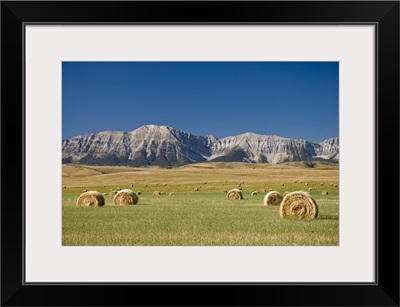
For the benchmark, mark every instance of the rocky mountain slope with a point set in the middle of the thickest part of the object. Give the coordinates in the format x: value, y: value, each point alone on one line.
x: 165, y: 146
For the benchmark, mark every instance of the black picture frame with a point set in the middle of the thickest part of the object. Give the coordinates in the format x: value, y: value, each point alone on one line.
x: 383, y: 14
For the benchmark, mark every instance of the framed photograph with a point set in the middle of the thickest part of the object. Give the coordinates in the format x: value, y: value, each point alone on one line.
x: 201, y: 148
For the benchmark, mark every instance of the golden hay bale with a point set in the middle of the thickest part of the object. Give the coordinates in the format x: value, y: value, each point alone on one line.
x: 126, y: 197
x: 306, y: 183
x: 335, y: 185
x: 234, y: 194
x: 282, y: 184
x: 162, y: 193
x: 224, y: 191
x: 271, y: 189
x: 310, y: 189
x: 324, y: 192
x: 322, y: 183
x: 112, y: 192
x: 171, y: 193
x: 139, y: 193
x: 196, y: 189
x: 284, y: 194
x: 263, y: 191
x: 273, y: 198
x: 299, y: 204
x: 254, y: 193
x: 90, y: 198
x: 156, y: 193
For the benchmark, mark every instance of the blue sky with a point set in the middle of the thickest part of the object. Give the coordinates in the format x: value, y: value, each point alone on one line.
x: 289, y: 99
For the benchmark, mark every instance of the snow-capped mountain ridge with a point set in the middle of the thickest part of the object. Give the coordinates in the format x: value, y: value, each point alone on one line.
x: 166, y: 146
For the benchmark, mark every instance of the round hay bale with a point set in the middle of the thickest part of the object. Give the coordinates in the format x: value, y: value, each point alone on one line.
x: 271, y: 189
x: 322, y: 183
x: 282, y: 184
x: 263, y: 191
x: 306, y: 183
x: 273, y: 198
x: 90, y: 198
x: 197, y: 189
x: 335, y: 185
x: 254, y: 193
x: 171, y: 193
x: 156, y: 193
x: 112, y: 192
x: 139, y: 193
x: 284, y: 194
x: 310, y: 189
x: 234, y: 194
x: 299, y: 204
x: 126, y: 197
x: 224, y: 191
x: 324, y: 192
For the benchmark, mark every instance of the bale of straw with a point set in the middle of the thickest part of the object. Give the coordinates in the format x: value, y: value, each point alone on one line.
x: 90, y: 198
x: 126, y: 197
x: 138, y: 193
x: 306, y: 183
x: 271, y: 189
x: 112, y: 192
x: 322, y: 183
x: 282, y: 184
x: 234, y: 194
x: 324, y: 192
x: 254, y: 193
x: 298, y: 204
x: 335, y: 185
x: 284, y: 194
x: 156, y: 193
x: 196, y: 189
x: 263, y: 191
x: 310, y: 189
x: 171, y: 193
x: 224, y: 191
x: 273, y: 198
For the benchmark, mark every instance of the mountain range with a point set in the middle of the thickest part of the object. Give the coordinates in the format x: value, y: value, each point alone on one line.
x: 166, y: 146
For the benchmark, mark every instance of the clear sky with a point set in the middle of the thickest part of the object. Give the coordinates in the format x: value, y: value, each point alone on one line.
x: 289, y: 99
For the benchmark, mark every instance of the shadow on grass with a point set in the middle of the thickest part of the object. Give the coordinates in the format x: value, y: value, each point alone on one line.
x: 328, y: 217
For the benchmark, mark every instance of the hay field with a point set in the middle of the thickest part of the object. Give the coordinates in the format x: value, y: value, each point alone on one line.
x: 198, y: 218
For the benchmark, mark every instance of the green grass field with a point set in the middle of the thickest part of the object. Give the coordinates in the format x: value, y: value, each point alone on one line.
x: 203, y: 218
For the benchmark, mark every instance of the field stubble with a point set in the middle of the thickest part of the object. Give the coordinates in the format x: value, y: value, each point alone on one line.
x: 198, y: 218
